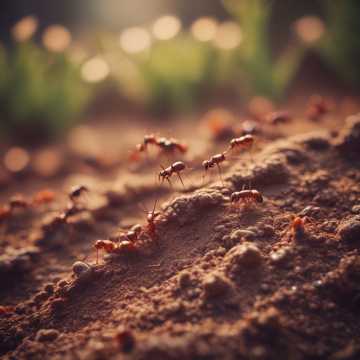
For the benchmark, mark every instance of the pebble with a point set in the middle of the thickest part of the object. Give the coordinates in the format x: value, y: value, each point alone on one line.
x: 215, y: 285
x: 184, y: 279
x: 243, y: 256
x: 237, y: 235
x: 349, y: 230
x: 349, y: 142
x: 81, y: 269
x: 356, y: 209
x: 45, y: 335
x: 280, y: 256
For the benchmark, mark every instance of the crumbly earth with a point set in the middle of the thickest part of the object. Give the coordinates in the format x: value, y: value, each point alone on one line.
x: 221, y: 282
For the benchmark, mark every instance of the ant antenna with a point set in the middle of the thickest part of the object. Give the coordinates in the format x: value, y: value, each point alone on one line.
x: 153, y: 212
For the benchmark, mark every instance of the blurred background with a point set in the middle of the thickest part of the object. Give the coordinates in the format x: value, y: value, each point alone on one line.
x: 65, y: 62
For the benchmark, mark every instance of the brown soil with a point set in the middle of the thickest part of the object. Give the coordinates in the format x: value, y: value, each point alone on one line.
x: 221, y: 282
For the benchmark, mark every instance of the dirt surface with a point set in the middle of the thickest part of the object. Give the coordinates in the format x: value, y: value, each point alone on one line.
x: 220, y: 281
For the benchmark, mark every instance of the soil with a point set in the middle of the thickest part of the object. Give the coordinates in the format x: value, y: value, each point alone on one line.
x: 220, y: 282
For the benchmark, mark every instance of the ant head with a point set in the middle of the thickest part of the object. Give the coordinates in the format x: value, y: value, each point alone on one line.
x: 99, y: 244
x: 206, y: 164
x: 149, y: 138
x: 258, y: 196
x: 162, y: 141
x: 234, y: 196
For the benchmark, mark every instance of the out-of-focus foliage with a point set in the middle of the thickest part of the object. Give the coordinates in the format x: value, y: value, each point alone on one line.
x: 341, y: 43
x: 257, y: 70
x: 170, y: 75
x: 41, y: 92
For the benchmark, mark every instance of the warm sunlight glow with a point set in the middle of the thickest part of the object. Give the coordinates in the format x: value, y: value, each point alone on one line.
x: 135, y: 40
x: 228, y: 35
x: 95, y: 70
x: 204, y: 29
x: 16, y: 159
x: 309, y: 29
x: 56, y: 38
x: 166, y: 27
x: 24, y: 29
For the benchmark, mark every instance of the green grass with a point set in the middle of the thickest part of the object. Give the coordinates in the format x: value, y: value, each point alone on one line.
x: 41, y: 93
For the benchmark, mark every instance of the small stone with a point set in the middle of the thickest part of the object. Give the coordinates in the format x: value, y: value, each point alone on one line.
x: 356, y: 209
x: 237, y: 235
x: 349, y: 140
x: 215, y: 285
x: 280, y: 256
x: 45, y: 335
x: 81, y: 269
x: 243, y: 256
x: 184, y: 279
x: 349, y: 230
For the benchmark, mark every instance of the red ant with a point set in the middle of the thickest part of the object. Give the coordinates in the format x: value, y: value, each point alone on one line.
x: 317, y: 107
x: 278, y: 117
x: 43, y: 197
x: 242, y: 142
x: 176, y: 167
x: 164, y: 144
x: 171, y: 145
x: 124, y: 247
x: 151, y: 216
x: 298, y: 226
x: 61, y: 219
x: 148, y: 139
x: 19, y: 202
x: 246, y: 196
x: 214, y: 160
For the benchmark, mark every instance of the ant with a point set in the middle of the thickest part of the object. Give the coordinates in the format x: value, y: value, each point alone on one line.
x: 317, y: 107
x: 298, y: 226
x: 19, y: 202
x: 278, y: 117
x: 216, y: 159
x: 242, y: 142
x: 151, y: 216
x: 43, y: 197
x: 76, y: 192
x: 148, y: 139
x: 61, y: 219
x: 164, y: 144
x: 246, y: 196
x: 171, y: 145
x: 124, y: 247
x: 176, y: 167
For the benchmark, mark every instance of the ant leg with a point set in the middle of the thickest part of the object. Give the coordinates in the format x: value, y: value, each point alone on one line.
x: 97, y: 256
x: 168, y: 180
x: 220, y: 174
x: 178, y: 174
